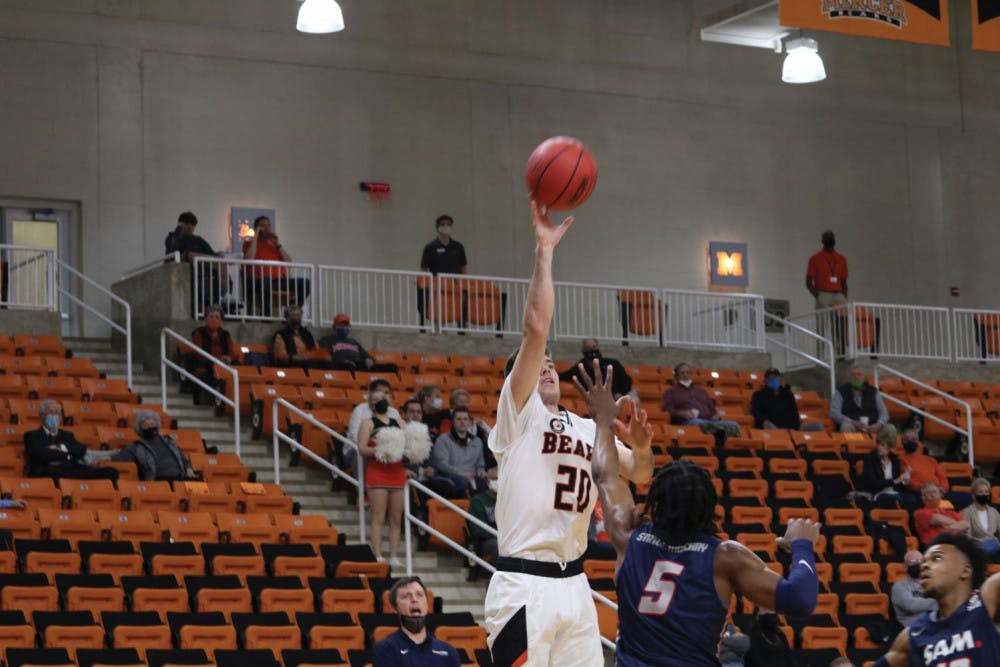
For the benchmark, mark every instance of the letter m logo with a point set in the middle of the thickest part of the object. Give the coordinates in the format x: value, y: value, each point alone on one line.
x: 730, y: 264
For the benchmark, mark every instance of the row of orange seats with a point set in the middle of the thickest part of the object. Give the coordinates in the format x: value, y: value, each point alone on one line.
x: 11, y: 364
x: 24, y: 411
x: 65, y: 387
x: 28, y: 345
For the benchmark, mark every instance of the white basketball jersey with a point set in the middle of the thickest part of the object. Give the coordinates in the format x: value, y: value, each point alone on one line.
x: 546, y: 491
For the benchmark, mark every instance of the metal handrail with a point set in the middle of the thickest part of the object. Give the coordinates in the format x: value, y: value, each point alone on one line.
x: 278, y: 435
x: 934, y: 390
x: 825, y: 342
x: 125, y: 330
x: 165, y: 363
x: 174, y: 257
x: 409, y: 517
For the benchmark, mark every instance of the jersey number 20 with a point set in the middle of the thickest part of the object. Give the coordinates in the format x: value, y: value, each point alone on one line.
x: 660, y: 588
x: 571, y: 486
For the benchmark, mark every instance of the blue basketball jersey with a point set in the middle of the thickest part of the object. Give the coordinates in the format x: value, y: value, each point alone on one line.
x: 967, y: 638
x: 669, y: 613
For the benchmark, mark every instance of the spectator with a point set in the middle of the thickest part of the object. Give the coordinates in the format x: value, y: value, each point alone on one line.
x: 768, y: 644
x: 52, y: 452
x: 442, y: 255
x: 483, y: 507
x: 934, y: 517
x: 158, y: 457
x: 983, y: 518
x: 883, y: 474
x: 211, y: 338
x: 190, y: 245
x: 774, y: 407
x: 413, y: 413
x: 293, y: 344
x: 733, y: 646
x: 266, y: 280
x: 458, y: 456
x: 346, y: 353
x: 460, y: 398
x: 923, y: 467
x: 826, y: 280
x: 382, y: 442
x: 412, y: 645
x: 857, y: 406
x: 621, y: 380
x: 432, y: 402
x: 691, y: 405
x: 908, y: 599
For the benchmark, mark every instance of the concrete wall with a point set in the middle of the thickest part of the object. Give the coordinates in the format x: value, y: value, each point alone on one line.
x: 139, y: 109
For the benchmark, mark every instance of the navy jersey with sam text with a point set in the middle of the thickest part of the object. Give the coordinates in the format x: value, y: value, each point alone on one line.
x: 669, y: 613
x: 967, y: 638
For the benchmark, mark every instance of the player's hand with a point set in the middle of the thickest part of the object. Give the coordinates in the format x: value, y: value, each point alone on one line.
x: 638, y: 433
x: 547, y: 235
x: 601, y: 403
x: 800, y: 529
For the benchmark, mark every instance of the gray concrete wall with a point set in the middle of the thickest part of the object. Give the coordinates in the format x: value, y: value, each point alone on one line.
x: 139, y: 109
x: 25, y: 321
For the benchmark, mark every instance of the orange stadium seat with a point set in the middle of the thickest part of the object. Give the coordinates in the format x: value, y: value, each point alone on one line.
x: 308, y: 528
x: 151, y: 496
x: 38, y: 345
x: 72, y: 525
x: 11, y: 365
x: 196, y: 527
x: 92, y: 494
x: 83, y: 412
x: 821, y: 637
x: 290, y: 600
x: 446, y: 521
x: 352, y: 601
x: 76, y: 367
x: 14, y: 386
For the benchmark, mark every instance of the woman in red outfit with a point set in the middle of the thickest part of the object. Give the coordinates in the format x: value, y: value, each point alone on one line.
x: 381, y: 442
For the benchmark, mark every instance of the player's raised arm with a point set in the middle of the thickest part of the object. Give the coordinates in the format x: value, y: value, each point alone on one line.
x: 636, y: 463
x: 740, y: 571
x: 989, y: 593
x: 616, y: 498
x: 539, y: 307
x: 898, y: 654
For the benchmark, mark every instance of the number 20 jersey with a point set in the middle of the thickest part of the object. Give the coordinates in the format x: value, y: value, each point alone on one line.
x: 546, y: 493
x: 669, y: 613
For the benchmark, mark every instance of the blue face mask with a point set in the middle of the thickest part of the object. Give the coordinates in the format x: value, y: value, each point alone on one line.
x: 51, y: 421
x: 773, y: 383
x: 342, y: 331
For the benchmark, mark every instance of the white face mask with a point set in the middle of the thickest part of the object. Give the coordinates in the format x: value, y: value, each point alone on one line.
x: 436, y: 403
x: 493, y: 485
x: 444, y: 230
x: 684, y: 383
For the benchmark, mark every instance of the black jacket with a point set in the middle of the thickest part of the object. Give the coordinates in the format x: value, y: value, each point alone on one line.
x: 780, y: 409
x: 45, y: 461
x: 872, y: 476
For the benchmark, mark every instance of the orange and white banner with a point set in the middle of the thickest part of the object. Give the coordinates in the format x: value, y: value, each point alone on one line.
x: 924, y: 21
x: 986, y: 25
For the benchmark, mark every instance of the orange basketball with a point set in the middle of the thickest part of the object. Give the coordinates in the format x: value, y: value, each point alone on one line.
x: 561, y: 173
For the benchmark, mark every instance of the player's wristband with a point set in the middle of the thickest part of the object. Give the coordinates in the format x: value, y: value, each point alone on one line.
x: 797, y: 595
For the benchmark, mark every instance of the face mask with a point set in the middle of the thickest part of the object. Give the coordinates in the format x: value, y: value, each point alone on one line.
x: 685, y: 383
x: 436, y: 403
x: 381, y: 406
x: 983, y: 499
x: 52, y: 422
x: 493, y: 485
x: 444, y: 230
x: 413, y: 623
x: 149, y: 432
x: 829, y: 245
x: 591, y: 354
x: 342, y: 331
x: 909, y: 446
x: 295, y: 323
x: 913, y: 570
x: 857, y: 384
x: 768, y: 622
x: 773, y: 383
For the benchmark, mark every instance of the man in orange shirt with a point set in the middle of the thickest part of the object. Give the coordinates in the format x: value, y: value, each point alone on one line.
x: 826, y: 280
x: 934, y: 518
x: 266, y: 280
x: 923, y: 468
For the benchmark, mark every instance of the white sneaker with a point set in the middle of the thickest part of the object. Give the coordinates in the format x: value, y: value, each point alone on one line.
x: 396, y: 562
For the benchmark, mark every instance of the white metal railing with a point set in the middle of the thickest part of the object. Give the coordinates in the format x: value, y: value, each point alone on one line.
x: 174, y: 257
x: 883, y: 329
x: 410, y: 518
x: 253, y: 289
x: 382, y: 298
x: 280, y: 436
x: 976, y: 334
x: 607, y: 312
x: 115, y: 300
x: 166, y: 362
x: 967, y: 431
x: 27, y: 277
x: 713, y: 320
x: 479, y: 304
x: 798, y: 344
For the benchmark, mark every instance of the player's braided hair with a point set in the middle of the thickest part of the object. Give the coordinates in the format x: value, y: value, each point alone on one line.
x: 681, y: 502
x: 978, y: 559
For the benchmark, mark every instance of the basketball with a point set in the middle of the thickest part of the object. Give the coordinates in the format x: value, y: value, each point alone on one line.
x: 561, y: 173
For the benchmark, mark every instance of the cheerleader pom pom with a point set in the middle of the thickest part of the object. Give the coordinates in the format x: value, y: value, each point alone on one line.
x: 418, y: 442
x: 389, y: 445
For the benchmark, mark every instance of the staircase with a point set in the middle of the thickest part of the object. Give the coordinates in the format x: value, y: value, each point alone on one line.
x: 308, y: 484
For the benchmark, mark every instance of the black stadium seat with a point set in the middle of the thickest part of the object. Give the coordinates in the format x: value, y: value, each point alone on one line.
x: 296, y: 657
x: 16, y: 657
x: 88, y: 657
x: 161, y: 657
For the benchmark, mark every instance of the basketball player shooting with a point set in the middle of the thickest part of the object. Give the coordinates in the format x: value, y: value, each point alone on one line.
x: 675, y: 579
x: 539, y: 609
x: 963, y: 631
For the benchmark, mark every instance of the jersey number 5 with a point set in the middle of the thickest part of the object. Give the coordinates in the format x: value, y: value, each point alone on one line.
x: 570, y: 486
x: 660, y: 588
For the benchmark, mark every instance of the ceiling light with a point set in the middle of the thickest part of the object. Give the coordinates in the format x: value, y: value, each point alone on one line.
x: 802, y: 64
x: 320, y: 16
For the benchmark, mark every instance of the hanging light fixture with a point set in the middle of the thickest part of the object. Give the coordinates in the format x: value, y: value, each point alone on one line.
x: 320, y: 16
x: 802, y: 64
